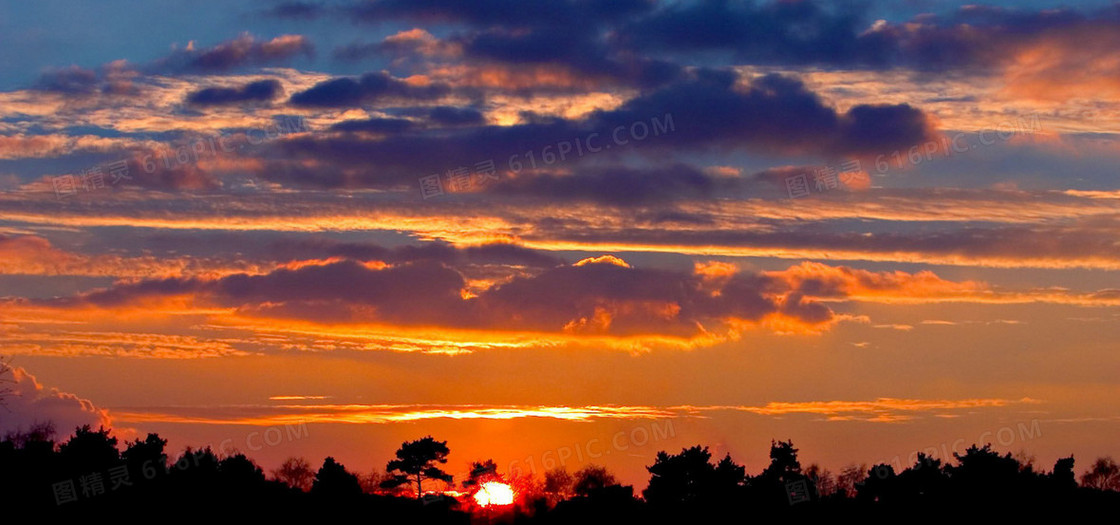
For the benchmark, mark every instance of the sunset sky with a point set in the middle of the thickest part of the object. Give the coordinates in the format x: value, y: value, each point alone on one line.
x: 580, y: 230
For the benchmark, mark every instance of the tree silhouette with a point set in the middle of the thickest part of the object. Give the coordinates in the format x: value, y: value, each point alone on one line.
x: 89, y: 450
x: 680, y: 479
x: 481, y: 472
x: 880, y: 484
x: 377, y: 482
x: 416, y: 461
x: 334, y: 481
x: 590, y: 479
x: 772, y: 485
x: 38, y: 432
x: 916, y: 486
x: 1062, y: 477
x: 783, y: 462
x: 821, y: 480
x: 558, y: 484
x: 689, y: 486
x: 598, y: 499
x: 146, y: 459
x: 683, y: 488
x: 1103, y: 475
x: 982, y: 473
x: 849, y: 479
x: 295, y: 473
x: 729, y: 478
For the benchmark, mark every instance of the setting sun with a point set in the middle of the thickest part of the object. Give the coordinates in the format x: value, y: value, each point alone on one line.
x: 494, y: 493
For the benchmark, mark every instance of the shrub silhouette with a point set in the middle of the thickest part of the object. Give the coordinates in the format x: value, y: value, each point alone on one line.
x: 333, y: 481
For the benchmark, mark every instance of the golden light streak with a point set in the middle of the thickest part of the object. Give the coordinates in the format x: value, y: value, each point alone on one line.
x: 878, y: 410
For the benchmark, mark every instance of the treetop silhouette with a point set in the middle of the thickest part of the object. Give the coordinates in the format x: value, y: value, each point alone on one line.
x: 416, y: 461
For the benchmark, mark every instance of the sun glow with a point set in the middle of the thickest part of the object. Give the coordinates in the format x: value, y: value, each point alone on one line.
x: 494, y: 493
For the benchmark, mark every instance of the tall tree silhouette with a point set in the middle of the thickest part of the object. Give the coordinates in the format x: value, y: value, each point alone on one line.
x: 416, y: 461
x: 680, y: 479
x: 784, y: 465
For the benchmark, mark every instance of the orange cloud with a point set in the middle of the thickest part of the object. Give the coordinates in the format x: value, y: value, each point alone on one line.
x: 824, y: 281
x: 33, y: 255
x: 1067, y: 64
x: 603, y: 259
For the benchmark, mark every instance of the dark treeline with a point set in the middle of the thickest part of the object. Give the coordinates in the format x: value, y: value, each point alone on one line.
x: 89, y: 473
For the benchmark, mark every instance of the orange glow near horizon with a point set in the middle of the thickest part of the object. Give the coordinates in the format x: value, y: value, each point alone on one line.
x: 493, y: 493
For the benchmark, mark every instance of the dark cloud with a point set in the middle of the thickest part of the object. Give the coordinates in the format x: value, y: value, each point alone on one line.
x: 757, y: 33
x: 260, y: 91
x: 117, y: 78
x: 400, y: 159
x: 485, y: 254
x: 369, y: 88
x: 244, y: 51
x: 297, y: 10
x: 122, y: 78
x: 845, y: 34
x: 71, y: 80
x: 879, y: 129
x: 590, y: 36
x: 504, y: 13
x: 710, y: 110
x: 615, y: 185
x: 598, y: 296
x: 584, y: 55
x: 359, y: 51
x: 111, y: 79
x: 569, y: 38
x: 541, y: 46
x: 773, y: 112
x: 375, y: 125
x: 453, y: 116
